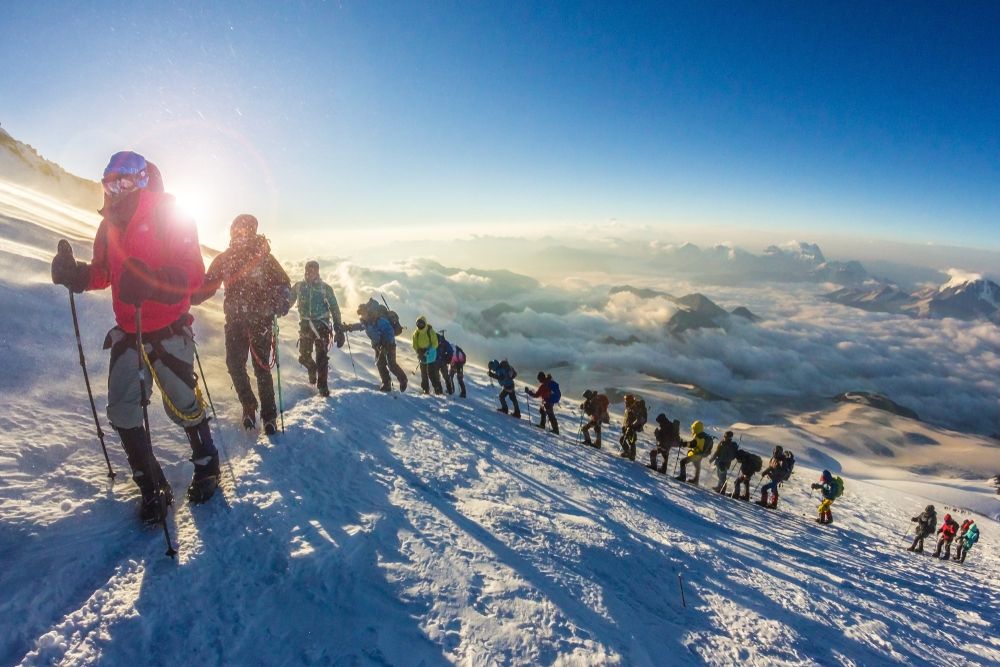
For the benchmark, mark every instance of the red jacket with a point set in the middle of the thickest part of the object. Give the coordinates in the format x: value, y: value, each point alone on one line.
x: 158, y: 235
x: 948, y: 529
x: 543, y: 392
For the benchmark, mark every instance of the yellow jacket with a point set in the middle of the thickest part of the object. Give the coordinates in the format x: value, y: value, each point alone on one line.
x: 425, y: 339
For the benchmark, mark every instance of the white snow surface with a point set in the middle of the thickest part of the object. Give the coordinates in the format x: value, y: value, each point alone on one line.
x: 419, y: 530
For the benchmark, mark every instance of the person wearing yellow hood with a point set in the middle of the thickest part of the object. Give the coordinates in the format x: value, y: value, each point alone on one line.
x: 425, y: 343
x: 699, y: 447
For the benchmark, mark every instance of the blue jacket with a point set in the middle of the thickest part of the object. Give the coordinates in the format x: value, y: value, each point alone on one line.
x: 380, y: 332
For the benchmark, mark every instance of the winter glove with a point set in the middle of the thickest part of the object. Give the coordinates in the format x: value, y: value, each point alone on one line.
x: 68, y: 272
x: 816, y: 486
x: 339, y: 338
x: 139, y: 283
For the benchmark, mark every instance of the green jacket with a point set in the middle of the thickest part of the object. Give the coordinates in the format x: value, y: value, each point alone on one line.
x: 316, y: 301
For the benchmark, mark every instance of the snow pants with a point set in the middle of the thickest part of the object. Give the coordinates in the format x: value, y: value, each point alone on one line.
x: 595, y: 425
x: 385, y: 361
x: 946, y: 543
x: 315, y: 335
x: 171, y: 352
x: 506, y: 392
x: 546, y: 411
x: 253, y: 337
x: 654, y: 453
x: 457, y: 371
x: 918, y: 541
x: 627, y: 442
x: 430, y: 375
x: 695, y: 460
x: 744, y: 481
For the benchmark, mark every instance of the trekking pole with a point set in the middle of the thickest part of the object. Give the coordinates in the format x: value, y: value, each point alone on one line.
x: 211, y: 405
x: 201, y: 372
x: 64, y: 248
x: 277, y: 366
x: 349, y: 352
x: 144, y: 402
x: 680, y: 585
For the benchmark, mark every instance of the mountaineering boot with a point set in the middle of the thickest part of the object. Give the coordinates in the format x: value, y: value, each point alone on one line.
x: 323, y: 389
x: 312, y: 375
x: 717, y: 489
x: 763, y: 499
x: 402, y: 384
x: 205, y: 458
x: 386, y: 388
x: 828, y: 516
x: 249, y: 418
x: 555, y: 430
x: 153, y: 506
x: 270, y: 428
x: 516, y: 414
x: 205, y: 480
x: 774, y: 502
x: 503, y: 410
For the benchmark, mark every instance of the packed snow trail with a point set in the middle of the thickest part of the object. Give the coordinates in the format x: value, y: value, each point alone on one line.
x: 418, y: 530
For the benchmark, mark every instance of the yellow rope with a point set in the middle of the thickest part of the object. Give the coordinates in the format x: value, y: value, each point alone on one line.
x: 196, y: 416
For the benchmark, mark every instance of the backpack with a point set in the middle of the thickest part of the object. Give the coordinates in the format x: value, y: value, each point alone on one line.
x: 445, y: 351
x: 838, y: 487
x: 555, y: 394
x: 706, y: 448
x: 458, y: 357
x: 787, y: 465
x: 382, y: 311
x: 640, y: 414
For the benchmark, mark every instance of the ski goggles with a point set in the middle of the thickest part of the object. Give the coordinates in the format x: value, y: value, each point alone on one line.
x: 116, y: 184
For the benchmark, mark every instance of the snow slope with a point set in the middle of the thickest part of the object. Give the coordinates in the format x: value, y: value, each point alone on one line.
x: 412, y: 530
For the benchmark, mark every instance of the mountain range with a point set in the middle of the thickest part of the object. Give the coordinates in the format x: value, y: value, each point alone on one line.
x: 969, y: 299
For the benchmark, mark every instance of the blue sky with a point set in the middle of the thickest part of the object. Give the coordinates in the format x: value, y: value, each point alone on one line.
x: 876, y: 119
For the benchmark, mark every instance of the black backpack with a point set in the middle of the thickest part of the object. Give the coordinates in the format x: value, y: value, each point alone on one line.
x: 640, y: 414
x: 391, y: 315
x: 787, y: 465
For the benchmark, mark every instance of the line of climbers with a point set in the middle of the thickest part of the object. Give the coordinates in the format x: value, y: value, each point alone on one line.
x: 147, y: 251
x: 965, y: 535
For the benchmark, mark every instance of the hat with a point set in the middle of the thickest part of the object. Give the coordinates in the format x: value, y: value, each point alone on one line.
x: 728, y: 434
x: 662, y: 418
x: 947, y: 517
x: 588, y: 393
x: 541, y: 376
x: 929, y: 508
x: 697, y: 427
x: 312, y: 264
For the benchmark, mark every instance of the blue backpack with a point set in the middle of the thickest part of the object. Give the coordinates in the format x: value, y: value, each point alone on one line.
x: 556, y: 395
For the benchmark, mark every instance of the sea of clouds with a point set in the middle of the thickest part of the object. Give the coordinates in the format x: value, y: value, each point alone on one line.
x: 802, y: 352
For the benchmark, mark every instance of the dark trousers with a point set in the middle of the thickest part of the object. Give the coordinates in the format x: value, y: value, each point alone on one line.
x: 918, y: 542
x: 627, y: 441
x: 318, y: 340
x: 456, y: 372
x: 946, y: 543
x: 385, y: 361
x: 504, y: 394
x: 653, y: 453
x: 241, y: 336
x: 545, y: 411
x: 431, y: 372
x: 744, y: 481
x: 594, y: 424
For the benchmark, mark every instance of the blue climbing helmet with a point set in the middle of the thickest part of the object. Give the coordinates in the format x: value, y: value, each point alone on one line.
x: 126, y: 171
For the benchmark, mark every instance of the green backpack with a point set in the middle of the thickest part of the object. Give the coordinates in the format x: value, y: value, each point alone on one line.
x: 838, y: 487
